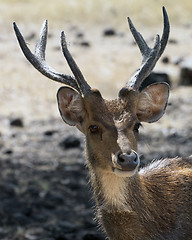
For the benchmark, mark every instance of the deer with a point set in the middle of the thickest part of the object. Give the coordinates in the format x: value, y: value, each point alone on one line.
x: 132, y: 203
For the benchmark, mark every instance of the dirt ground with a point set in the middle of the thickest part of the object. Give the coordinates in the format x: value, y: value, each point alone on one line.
x: 44, y: 190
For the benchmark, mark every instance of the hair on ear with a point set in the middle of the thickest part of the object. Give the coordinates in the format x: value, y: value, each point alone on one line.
x: 153, y: 102
x: 70, y: 105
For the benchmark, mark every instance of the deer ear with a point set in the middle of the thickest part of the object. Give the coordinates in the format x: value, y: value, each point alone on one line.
x: 71, y: 106
x: 152, y: 102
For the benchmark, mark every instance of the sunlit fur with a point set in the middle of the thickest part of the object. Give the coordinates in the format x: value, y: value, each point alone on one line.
x: 153, y: 203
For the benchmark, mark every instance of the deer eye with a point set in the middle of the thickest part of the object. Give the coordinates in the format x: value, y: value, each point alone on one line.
x: 94, y: 129
x: 136, y: 127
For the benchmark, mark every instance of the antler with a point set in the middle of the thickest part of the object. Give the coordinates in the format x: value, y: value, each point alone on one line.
x: 150, y: 56
x: 38, y: 61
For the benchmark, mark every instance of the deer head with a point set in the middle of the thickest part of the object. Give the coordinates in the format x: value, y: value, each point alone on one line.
x: 110, y: 126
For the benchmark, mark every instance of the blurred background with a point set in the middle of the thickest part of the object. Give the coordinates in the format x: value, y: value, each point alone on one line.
x: 106, y: 62
x: 43, y: 181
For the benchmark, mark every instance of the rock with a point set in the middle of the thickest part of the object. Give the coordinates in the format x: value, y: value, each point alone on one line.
x: 60, y: 238
x: 67, y: 227
x: 173, y: 41
x: 16, y: 122
x: 7, y: 190
x: 186, y: 73
x: 20, y: 219
x: 50, y: 35
x: 56, y: 48
x: 70, y: 142
x: 109, y: 32
x: 178, y: 60
x: 31, y: 36
x: 80, y: 35
x: 50, y: 133
x: 8, y: 151
x: 185, y: 77
x: 92, y: 237
x: 154, y: 78
x: 85, y: 44
x: 165, y: 60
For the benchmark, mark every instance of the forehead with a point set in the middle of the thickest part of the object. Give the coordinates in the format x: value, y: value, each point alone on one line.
x: 121, y: 111
x: 111, y: 111
x: 117, y: 107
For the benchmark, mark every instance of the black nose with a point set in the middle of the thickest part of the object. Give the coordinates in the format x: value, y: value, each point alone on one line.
x: 128, y: 162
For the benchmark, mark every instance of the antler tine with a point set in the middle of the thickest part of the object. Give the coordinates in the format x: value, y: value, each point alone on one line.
x: 41, y: 44
x: 147, y: 66
x: 38, y: 59
x: 144, y: 49
x: 166, y: 31
x: 83, y: 85
x: 150, y: 56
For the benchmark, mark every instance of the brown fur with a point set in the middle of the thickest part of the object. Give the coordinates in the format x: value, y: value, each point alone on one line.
x: 157, y: 206
x: 154, y: 203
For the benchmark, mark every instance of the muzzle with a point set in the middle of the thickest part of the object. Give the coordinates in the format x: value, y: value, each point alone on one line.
x: 125, y: 164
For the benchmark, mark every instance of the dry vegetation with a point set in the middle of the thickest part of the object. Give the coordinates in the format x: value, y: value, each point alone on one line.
x: 91, y: 11
x: 107, y: 62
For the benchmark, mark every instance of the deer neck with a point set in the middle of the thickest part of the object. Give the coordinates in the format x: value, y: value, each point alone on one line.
x: 117, y: 193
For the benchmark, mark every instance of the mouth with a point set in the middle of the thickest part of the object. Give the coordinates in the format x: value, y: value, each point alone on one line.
x: 125, y: 165
x: 123, y: 173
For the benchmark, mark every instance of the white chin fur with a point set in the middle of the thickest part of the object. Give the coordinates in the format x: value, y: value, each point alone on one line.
x: 121, y: 173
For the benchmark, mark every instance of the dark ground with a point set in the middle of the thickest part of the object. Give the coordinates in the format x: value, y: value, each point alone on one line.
x: 44, y: 191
